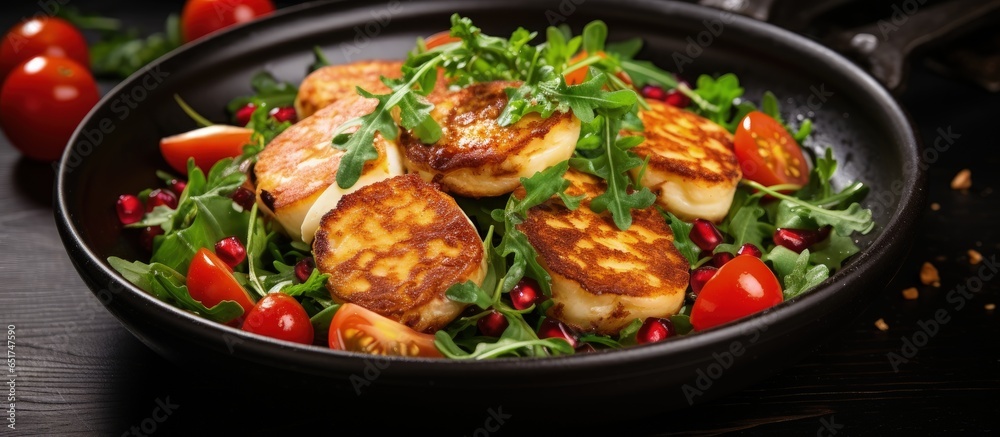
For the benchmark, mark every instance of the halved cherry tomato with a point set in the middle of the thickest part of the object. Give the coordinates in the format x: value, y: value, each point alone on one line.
x: 767, y: 153
x: 355, y: 328
x: 42, y: 36
x: 42, y: 102
x: 745, y: 285
x: 210, y: 281
x: 440, y: 39
x: 202, y: 17
x: 206, y: 145
x: 280, y: 316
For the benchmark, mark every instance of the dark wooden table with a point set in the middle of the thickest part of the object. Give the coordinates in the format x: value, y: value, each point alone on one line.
x: 79, y: 371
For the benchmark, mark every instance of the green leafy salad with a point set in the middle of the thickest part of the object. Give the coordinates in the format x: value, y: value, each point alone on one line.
x: 215, y: 249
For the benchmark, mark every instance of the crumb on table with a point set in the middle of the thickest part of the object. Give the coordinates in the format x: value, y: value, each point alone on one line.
x: 911, y: 293
x: 929, y: 275
x: 881, y: 325
x: 935, y: 206
x: 962, y: 180
x: 975, y: 257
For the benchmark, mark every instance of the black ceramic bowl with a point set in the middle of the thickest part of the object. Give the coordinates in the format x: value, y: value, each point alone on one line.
x: 115, y: 151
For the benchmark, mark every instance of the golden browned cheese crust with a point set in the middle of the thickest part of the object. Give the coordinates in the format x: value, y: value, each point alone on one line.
x: 686, y: 144
x: 334, y: 82
x: 471, y: 136
x: 608, y: 276
x: 395, y: 247
x: 301, y: 162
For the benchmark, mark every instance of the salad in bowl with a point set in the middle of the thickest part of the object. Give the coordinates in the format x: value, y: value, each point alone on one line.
x: 530, y: 195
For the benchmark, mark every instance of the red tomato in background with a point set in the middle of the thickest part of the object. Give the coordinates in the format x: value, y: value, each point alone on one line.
x: 42, y: 102
x: 43, y: 36
x: 280, y: 316
x: 743, y: 286
x: 206, y: 145
x: 210, y: 281
x: 355, y: 328
x: 767, y: 153
x: 202, y: 17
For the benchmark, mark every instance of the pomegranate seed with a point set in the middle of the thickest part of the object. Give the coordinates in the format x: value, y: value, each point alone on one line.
x: 552, y: 328
x: 177, y: 186
x: 304, y: 268
x: 160, y: 197
x: 677, y: 99
x: 750, y: 249
x: 231, y: 251
x: 524, y: 294
x: 654, y: 329
x: 720, y: 259
x: 585, y: 348
x: 129, y: 209
x: 146, y: 236
x: 284, y: 113
x: 653, y: 92
x: 244, y: 197
x: 492, y: 324
x: 700, y: 276
x: 705, y: 235
x: 800, y: 239
x: 244, y: 114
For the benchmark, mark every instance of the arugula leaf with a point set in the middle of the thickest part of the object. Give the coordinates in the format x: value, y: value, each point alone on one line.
x: 682, y: 323
x: 167, y: 285
x: 627, y: 334
x: 469, y: 292
x: 833, y: 251
x: 319, y: 61
x: 795, y: 271
x: 746, y: 226
x: 613, y: 166
x: 721, y: 93
x: 846, y: 221
x: 359, y: 145
x: 268, y: 91
x: 316, y: 283
x: 321, y: 322
x: 120, y: 52
x: 682, y: 239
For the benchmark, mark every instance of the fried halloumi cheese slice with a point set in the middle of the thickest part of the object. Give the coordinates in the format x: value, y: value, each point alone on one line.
x: 334, y: 82
x: 395, y: 247
x: 476, y: 157
x: 297, y: 172
x: 692, y: 167
x: 602, y: 277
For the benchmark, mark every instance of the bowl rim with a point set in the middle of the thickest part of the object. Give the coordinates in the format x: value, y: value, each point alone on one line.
x: 900, y: 222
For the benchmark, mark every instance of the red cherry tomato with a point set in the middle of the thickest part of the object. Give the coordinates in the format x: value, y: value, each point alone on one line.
x: 440, y: 39
x: 206, y: 145
x: 42, y: 102
x: 355, y: 328
x: 42, y: 36
x: 280, y: 316
x: 210, y: 281
x: 202, y: 17
x: 745, y: 285
x: 767, y: 153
